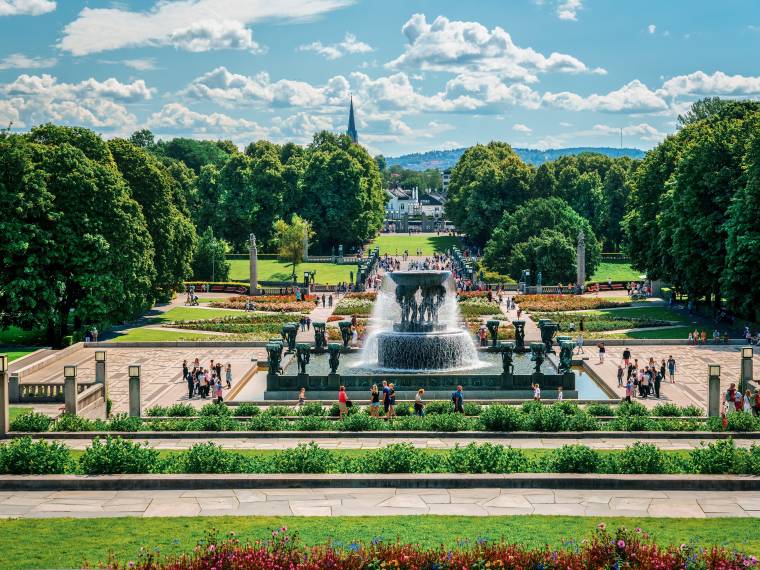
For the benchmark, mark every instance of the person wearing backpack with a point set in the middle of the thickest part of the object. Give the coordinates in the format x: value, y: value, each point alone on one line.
x: 457, y: 398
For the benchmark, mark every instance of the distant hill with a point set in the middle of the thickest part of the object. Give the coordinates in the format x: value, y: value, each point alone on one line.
x: 443, y: 159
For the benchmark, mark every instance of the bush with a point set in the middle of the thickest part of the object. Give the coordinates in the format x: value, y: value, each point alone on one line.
x: 312, y: 409
x: 214, y: 423
x: 215, y: 409
x: 472, y: 409
x: 279, y: 411
x: 396, y: 458
x: 123, y: 422
x: 752, y: 463
x: 499, y: 417
x: 639, y: 459
x: 304, y: 458
x: 600, y: 410
x: 718, y: 457
x: 360, y: 422
x: 27, y: 457
x: 531, y: 407
x: 313, y: 423
x: 439, y: 407
x: 179, y: 424
x: 156, y: 411
x: 628, y: 409
x: 573, y: 459
x: 486, y: 458
x: 633, y: 423
x: 69, y: 422
x: 680, y: 425
x: 666, y: 409
x: 547, y: 418
x: 335, y: 410
x: 692, y: 411
x: 247, y: 409
x: 181, y: 411
x: 266, y: 422
x: 211, y: 458
x: 442, y: 422
x: 117, y: 455
x: 582, y: 422
x: 740, y: 421
x: 31, y: 421
x: 403, y: 410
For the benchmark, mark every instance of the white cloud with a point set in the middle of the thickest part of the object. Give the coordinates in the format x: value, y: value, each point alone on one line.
x: 26, y: 7
x: 634, y: 97
x: 520, y: 128
x: 141, y: 64
x: 470, y: 47
x: 300, y: 126
x: 214, y: 34
x: 568, y: 9
x: 719, y: 83
x: 47, y: 86
x: 178, y: 118
x: 349, y: 45
x: 651, y: 28
x: 488, y: 94
x: 21, y: 61
x: 643, y: 131
x: 565, y: 124
x: 102, y: 29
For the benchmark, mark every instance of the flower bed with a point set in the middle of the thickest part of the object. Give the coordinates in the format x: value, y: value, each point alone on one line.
x: 598, y: 323
x: 272, y: 303
x: 354, y: 306
x: 531, y: 303
x: 256, y: 325
x: 473, y: 306
x: 623, y: 548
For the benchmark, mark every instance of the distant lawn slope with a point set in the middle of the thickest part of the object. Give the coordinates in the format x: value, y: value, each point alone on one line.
x: 275, y: 270
x: 395, y: 244
x: 615, y: 270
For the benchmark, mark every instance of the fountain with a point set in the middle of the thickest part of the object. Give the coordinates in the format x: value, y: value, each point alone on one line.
x: 424, y: 337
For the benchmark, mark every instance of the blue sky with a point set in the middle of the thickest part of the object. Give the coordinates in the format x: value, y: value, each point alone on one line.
x: 424, y: 74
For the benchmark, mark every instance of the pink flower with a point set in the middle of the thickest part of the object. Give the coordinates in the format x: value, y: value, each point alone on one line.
x: 621, y: 543
x: 602, y: 526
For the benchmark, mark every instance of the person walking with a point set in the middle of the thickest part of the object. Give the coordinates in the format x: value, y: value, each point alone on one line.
x: 218, y: 391
x: 626, y: 357
x: 374, y: 401
x: 419, y: 403
x: 457, y: 398
x: 579, y: 344
x: 228, y: 375
x: 628, y: 390
x: 657, y: 382
x: 601, y: 352
x: 386, y: 398
x: 620, y: 375
x: 536, y: 392
x: 342, y: 402
x: 672, y: 369
x: 301, y: 397
x: 190, y: 383
x: 392, y: 398
x: 747, y: 404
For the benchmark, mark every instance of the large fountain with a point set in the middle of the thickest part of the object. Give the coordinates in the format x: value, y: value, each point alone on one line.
x: 425, y: 335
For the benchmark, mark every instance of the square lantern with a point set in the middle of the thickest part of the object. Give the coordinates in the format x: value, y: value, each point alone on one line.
x: 70, y: 371
x: 100, y: 356
x: 714, y: 369
x: 134, y: 371
x: 747, y: 352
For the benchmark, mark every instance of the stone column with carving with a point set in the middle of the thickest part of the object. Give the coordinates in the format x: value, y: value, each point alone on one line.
x: 254, y: 269
x: 581, y: 260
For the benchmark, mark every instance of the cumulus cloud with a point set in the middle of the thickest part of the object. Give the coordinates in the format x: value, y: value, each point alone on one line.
x: 568, y: 9
x: 21, y: 61
x: 349, y: 45
x: 718, y: 83
x: 141, y: 64
x: 520, y: 128
x: 178, y: 118
x: 489, y: 94
x: 470, y: 47
x: 643, y: 131
x: 102, y: 29
x: 300, y: 126
x: 651, y: 28
x: 26, y: 7
x: 633, y: 97
x: 214, y: 34
x: 47, y: 86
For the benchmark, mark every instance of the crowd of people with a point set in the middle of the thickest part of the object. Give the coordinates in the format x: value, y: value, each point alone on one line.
x: 747, y: 402
x: 643, y: 380
x: 207, y: 381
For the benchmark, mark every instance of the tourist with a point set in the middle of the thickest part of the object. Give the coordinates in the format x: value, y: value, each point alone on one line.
x: 308, y: 323
x: 386, y: 398
x: 756, y: 403
x: 392, y: 400
x: 301, y: 397
x: 218, y: 391
x: 601, y: 352
x: 620, y: 375
x: 329, y: 300
x: 628, y: 390
x: 747, y: 404
x: 738, y: 401
x: 643, y: 384
x: 190, y: 382
x: 536, y: 392
x: 203, y: 379
x: 560, y: 394
x: 579, y: 344
x: 228, y: 375
x: 419, y: 404
x: 324, y: 301
x: 730, y: 395
x: 691, y: 338
x: 672, y: 369
x: 218, y: 370
x: 457, y: 398
x: 657, y: 381
x: 704, y: 337
x: 342, y: 402
x: 626, y: 357
x: 374, y: 401
x: 483, y: 335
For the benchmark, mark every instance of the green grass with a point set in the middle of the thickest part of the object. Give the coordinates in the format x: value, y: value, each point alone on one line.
x: 615, y: 270
x: 193, y: 314
x: 67, y: 543
x: 143, y: 334
x: 675, y: 332
x: 394, y: 244
x: 15, y: 354
x: 274, y: 270
x: 15, y: 335
x: 657, y: 313
x: 16, y: 411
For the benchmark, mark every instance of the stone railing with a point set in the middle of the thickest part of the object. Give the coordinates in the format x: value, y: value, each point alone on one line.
x: 43, y: 393
x: 91, y: 402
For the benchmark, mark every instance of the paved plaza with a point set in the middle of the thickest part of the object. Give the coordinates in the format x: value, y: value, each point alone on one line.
x: 161, y: 370
x: 377, y: 502
x: 691, y: 372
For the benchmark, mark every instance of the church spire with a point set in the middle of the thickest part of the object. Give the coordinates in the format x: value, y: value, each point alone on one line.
x: 351, y: 132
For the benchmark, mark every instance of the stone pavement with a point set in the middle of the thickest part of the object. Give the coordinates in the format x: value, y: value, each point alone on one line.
x: 423, y: 443
x: 377, y: 502
x: 691, y: 369
x: 318, y: 314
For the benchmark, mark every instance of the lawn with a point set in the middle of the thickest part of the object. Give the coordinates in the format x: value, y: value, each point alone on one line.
x: 15, y: 335
x: 15, y: 354
x: 143, y: 334
x: 26, y: 543
x: 615, y: 270
x: 274, y: 270
x: 193, y: 314
x: 657, y: 313
x: 675, y: 332
x: 395, y: 244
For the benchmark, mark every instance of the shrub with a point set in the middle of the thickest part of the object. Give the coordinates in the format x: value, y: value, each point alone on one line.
x: 640, y: 458
x: 740, y: 421
x: 486, y: 458
x: 312, y: 409
x: 266, y: 422
x: 693, y: 411
x: 214, y: 423
x: 531, y: 407
x: 304, y: 458
x: 117, y: 455
x: 211, y: 458
x: 404, y: 410
x: 179, y: 424
x: 499, y: 417
x: 360, y: 422
x: 573, y: 459
x: 335, y: 410
x: 313, y: 423
x: 633, y: 423
x: 279, y: 411
x: 28, y: 457
x: 439, y: 407
x: 547, y: 418
x: 603, y: 410
x: 181, y: 411
x: 247, y: 409
x: 444, y: 422
x: 69, y: 422
x: 718, y: 457
x: 397, y: 458
x: 472, y: 409
x: 582, y: 422
x: 156, y: 411
x: 628, y: 409
x: 666, y: 409
x: 123, y: 422
x: 680, y: 425
x: 31, y: 421
x: 215, y: 409
x: 752, y: 463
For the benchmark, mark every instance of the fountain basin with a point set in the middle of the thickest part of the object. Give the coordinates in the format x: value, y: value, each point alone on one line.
x: 418, y: 279
x: 413, y: 351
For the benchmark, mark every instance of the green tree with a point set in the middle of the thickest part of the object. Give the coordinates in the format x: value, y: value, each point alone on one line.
x: 615, y: 197
x: 544, y: 184
x: 143, y: 138
x: 550, y: 253
x: 196, y: 153
x: 208, y: 211
x: 210, y: 259
x: 290, y: 239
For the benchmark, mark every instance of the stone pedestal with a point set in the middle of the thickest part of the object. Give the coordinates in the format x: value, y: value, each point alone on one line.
x: 507, y: 381
x: 14, y: 390
x: 333, y: 381
x: 134, y: 397
x: 100, y: 372
x: 713, y: 396
x: 581, y: 261
x: 70, y: 394
x: 746, y: 374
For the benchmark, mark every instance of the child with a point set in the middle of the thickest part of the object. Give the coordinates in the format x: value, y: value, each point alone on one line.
x: 560, y: 394
x: 536, y: 392
x: 302, y: 397
x: 218, y: 391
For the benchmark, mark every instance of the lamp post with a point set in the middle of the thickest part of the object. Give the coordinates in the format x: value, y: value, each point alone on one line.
x: 100, y: 366
x: 746, y: 370
x: 4, y: 400
x: 134, y: 390
x: 713, y: 391
x: 70, y: 388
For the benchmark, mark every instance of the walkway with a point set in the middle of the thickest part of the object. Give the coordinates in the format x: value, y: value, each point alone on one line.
x: 342, y: 442
x: 319, y: 314
x: 377, y: 502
